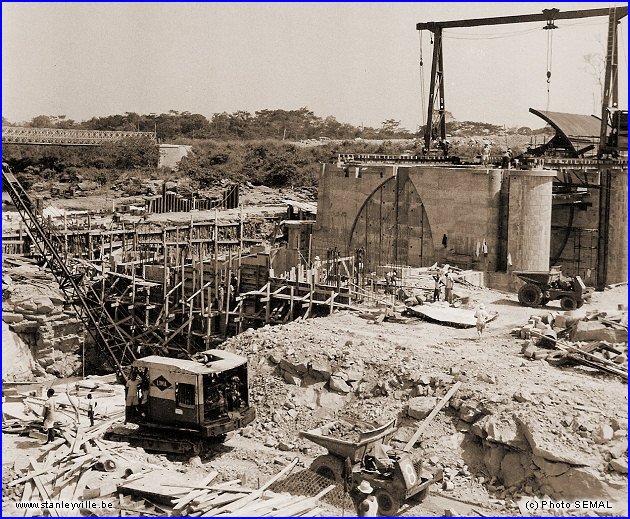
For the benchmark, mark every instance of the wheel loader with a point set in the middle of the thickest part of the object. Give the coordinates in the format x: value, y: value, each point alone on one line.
x: 393, y: 474
x: 542, y: 287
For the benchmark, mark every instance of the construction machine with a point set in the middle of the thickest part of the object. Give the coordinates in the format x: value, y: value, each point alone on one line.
x: 367, y: 456
x: 181, y: 405
x: 542, y: 287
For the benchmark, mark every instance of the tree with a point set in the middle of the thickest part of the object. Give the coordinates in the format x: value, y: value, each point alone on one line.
x: 390, y: 126
x: 41, y: 121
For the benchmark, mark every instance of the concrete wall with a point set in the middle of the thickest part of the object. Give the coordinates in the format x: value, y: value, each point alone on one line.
x: 401, y: 214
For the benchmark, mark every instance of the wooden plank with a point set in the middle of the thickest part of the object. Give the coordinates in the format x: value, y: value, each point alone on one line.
x: 181, y: 503
x: 431, y: 416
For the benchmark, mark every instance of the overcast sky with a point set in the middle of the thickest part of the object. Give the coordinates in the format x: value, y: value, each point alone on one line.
x: 356, y: 61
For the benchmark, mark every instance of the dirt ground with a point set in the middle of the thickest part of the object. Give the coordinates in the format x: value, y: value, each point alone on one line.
x: 492, y: 370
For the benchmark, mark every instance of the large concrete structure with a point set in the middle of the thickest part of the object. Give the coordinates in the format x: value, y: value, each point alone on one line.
x: 493, y: 220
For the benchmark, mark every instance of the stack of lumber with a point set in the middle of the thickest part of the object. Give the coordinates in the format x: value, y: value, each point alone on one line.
x: 182, y: 496
x: 63, y: 469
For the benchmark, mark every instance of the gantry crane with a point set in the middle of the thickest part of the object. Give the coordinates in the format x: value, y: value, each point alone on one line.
x: 435, y: 128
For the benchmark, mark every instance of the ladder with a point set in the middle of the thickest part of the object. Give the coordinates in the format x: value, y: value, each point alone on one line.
x: 110, y: 339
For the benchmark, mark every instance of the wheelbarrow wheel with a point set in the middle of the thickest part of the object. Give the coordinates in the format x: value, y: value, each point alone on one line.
x: 328, y: 466
x: 530, y: 295
x: 388, y: 504
x: 568, y: 303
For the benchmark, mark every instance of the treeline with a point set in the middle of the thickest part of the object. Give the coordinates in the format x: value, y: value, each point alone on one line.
x: 292, y: 125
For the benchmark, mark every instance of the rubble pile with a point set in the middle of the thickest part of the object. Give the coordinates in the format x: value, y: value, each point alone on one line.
x: 596, y: 339
x: 41, y: 333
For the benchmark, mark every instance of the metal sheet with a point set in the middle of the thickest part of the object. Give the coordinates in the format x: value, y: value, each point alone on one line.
x: 577, y: 129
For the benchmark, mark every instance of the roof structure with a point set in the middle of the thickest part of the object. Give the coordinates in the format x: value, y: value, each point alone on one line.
x: 574, y: 131
x: 219, y: 360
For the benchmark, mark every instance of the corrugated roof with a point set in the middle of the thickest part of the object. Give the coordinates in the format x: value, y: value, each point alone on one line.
x: 577, y: 129
x: 221, y: 361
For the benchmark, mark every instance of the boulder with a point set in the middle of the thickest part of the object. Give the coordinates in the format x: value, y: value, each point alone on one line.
x: 550, y: 468
x: 11, y: 318
x: 322, y: 368
x: 492, y: 458
x: 596, y: 331
x: 291, y: 378
x: 421, y: 406
x: 330, y: 400
x: 513, y: 473
x: 579, y: 483
x: 619, y: 465
x: 469, y: 411
x: 339, y: 385
x: 354, y: 375
x: 550, y: 446
x: 603, y: 433
x: 44, y: 304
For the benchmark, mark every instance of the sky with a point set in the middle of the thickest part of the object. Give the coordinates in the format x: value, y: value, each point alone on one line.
x: 356, y: 61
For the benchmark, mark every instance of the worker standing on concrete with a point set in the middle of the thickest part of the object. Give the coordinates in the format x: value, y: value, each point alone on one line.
x: 50, y: 415
x: 482, y: 317
x: 485, y: 155
x: 449, y: 288
x: 90, y: 410
x: 369, y: 506
x: 436, y: 288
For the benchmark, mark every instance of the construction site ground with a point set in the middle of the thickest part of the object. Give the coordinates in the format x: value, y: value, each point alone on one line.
x: 492, y: 370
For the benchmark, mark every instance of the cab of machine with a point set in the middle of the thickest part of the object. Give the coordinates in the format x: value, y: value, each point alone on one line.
x: 191, y: 393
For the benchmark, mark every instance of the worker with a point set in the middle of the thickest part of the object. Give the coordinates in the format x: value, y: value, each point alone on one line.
x: 485, y: 154
x: 50, y: 415
x: 506, y: 162
x: 369, y: 505
x: 132, y: 399
x: 449, y: 288
x: 90, y: 409
x: 482, y: 317
x: 233, y: 394
x: 436, y: 288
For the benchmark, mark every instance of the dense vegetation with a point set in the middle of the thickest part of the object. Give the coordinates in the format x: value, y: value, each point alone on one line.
x: 261, y: 148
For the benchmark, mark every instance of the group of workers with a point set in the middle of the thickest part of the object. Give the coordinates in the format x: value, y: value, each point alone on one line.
x: 137, y: 396
x: 50, y: 418
x: 447, y: 281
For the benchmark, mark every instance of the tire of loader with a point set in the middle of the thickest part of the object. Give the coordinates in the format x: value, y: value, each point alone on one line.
x: 388, y: 503
x: 530, y: 295
x: 568, y: 303
x: 328, y: 466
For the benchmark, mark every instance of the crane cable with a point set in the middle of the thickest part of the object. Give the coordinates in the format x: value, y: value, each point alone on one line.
x: 549, y: 59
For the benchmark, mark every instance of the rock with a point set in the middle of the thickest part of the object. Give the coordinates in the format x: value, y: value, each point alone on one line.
x: 603, y: 433
x: 520, y: 396
x: 550, y: 446
x: 579, y: 483
x: 44, y: 304
x: 619, y: 465
x: 469, y: 411
x: 339, y: 385
x: 596, y: 331
x: 290, y: 378
x: 11, y: 318
x: 284, y: 446
x: 420, y: 407
x: 340, y: 374
x: 275, y: 358
x: 330, y: 400
x: 550, y: 468
x: 618, y: 449
x: 529, y: 350
x: 195, y: 462
x: 448, y: 485
x: 513, y: 473
x: 492, y: 459
x: 322, y: 368
x: 28, y: 306
x: 354, y: 375
x: 247, y: 432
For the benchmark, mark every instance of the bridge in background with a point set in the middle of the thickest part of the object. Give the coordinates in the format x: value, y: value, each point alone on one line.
x: 66, y: 137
